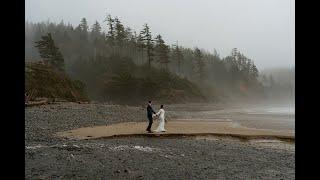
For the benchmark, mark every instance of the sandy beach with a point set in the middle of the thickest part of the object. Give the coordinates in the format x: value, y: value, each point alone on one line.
x: 176, y: 128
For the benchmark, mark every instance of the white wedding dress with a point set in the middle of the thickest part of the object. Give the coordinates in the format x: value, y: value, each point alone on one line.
x: 161, y: 119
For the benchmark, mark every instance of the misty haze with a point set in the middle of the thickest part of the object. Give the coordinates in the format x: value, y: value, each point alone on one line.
x: 104, y: 80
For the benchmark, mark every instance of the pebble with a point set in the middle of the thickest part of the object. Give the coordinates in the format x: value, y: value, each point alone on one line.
x: 68, y: 116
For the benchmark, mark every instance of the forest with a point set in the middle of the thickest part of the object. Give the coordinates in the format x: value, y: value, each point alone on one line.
x: 123, y: 65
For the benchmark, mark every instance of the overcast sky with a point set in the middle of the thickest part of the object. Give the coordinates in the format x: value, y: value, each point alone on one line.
x: 261, y: 29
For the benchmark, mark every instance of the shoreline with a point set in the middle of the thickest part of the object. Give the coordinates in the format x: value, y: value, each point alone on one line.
x: 185, y: 157
x: 242, y: 138
x: 177, y: 128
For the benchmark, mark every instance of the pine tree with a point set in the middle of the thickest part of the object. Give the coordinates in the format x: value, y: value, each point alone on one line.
x: 84, y: 25
x: 146, y: 38
x: 95, y: 35
x: 120, y: 34
x: 254, y: 70
x: 248, y: 67
x: 130, y: 36
x: 235, y: 56
x: 130, y: 39
x: 141, y: 46
x: 96, y: 29
x: 162, y: 51
x: 178, y: 57
x: 199, y: 64
x: 49, y: 52
x: 234, y: 52
x: 111, y: 30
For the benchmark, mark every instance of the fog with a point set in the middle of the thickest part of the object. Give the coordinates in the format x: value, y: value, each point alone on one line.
x: 216, y: 70
x: 172, y: 51
x: 261, y: 29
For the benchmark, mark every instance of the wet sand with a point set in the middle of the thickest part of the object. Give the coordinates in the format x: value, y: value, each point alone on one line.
x: 176, y: 128
x: 247, y: 115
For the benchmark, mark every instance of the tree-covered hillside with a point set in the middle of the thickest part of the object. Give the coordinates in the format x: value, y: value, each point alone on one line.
x: 124, y: 64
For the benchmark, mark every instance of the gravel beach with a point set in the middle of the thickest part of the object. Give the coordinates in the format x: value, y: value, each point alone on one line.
x: 50, y: 157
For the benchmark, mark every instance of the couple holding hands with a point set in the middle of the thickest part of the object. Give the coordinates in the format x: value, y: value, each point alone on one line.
x: 151, y: 114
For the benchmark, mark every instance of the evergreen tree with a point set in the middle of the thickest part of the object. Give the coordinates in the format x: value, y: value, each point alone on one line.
x: 129, y: 36
x: 140, y: 46
x: 199, y: 64
x: 178, y: 57
x: 95, y: 35
x: 254, y: 70
x: 84, y: 25
x: 146, y: 38
x: 229, y: 72
x: 234, y: 52
x: 49, y: 52
x: 120, y: 34
x: 96, y: 29
x: 162, y: 51
x: 247, y: 68
x: 130, y: 41
x: 111, y: 30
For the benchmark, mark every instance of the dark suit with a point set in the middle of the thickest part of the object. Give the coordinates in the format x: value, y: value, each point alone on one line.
x: 150, y: 111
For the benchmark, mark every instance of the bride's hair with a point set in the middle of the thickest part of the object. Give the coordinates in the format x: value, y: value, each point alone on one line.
x: 161, y: 106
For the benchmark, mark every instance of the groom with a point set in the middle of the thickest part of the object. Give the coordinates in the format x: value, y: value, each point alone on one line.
x: 150, y: 111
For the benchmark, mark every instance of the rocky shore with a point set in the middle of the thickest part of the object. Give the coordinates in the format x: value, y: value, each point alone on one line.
x: 50, y: 157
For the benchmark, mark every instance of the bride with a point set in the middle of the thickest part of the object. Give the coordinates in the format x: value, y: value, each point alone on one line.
x: 161, y: 119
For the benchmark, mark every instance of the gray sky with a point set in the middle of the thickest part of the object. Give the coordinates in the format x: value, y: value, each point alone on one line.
x: 262, y: 29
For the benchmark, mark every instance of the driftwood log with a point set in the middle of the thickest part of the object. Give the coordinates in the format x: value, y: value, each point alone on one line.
x: 43, y: 101
x: 36, y: 103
